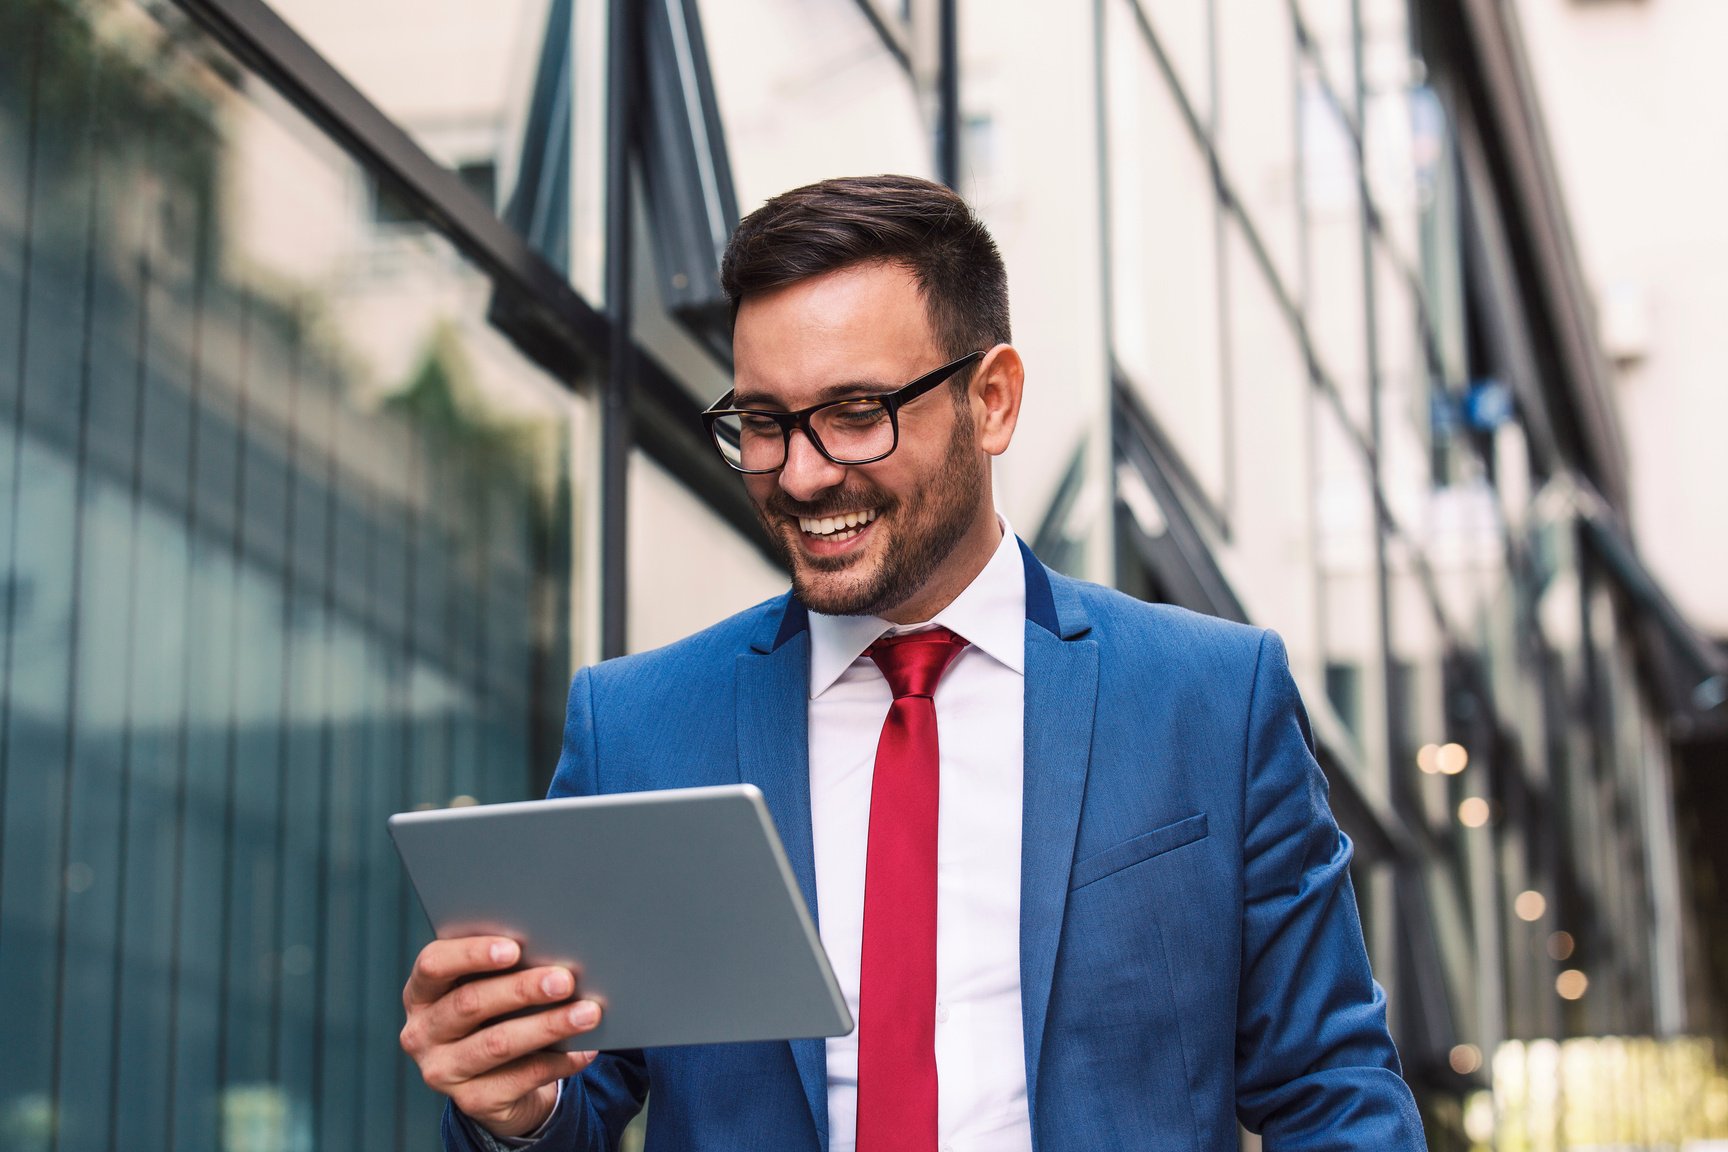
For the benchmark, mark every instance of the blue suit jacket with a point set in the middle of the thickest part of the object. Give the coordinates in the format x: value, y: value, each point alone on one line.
x: 1190, y: 952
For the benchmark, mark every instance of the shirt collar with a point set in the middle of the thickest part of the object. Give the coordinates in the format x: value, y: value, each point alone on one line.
x: 990, y: 613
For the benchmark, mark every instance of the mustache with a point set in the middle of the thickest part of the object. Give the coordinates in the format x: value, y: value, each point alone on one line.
x: 839, y: 504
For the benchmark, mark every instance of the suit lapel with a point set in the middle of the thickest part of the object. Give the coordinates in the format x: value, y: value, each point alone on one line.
x: 773, y: 681
x: 1061, y: 696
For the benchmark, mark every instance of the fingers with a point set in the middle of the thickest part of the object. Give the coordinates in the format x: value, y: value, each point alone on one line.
x: 442, y: 963
x: 493, y: 1049
x: 468, y: 1007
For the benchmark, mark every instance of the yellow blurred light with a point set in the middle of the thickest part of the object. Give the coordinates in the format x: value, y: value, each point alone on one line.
x: 1571, y: 984
x: 1428, y: 758
x: 1560, y: 945
x: 1465, y: 1059
x: 1452, y: 759
x: 1473, y: 812
x: 1530, y: 905
x: 1479, y: 1118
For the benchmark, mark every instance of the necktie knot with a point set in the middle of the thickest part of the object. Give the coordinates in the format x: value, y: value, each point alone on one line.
x: 913, y: 662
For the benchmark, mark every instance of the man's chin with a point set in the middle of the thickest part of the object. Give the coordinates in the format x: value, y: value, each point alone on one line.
x: 833, y: 593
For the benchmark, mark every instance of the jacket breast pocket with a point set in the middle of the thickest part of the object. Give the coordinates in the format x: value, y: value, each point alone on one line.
x: 1141, y: 848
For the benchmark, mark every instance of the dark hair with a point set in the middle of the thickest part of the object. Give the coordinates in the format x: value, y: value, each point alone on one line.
x: 925, y: 227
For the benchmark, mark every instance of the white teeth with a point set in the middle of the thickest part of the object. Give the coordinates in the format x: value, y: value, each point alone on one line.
x: 842, y: 527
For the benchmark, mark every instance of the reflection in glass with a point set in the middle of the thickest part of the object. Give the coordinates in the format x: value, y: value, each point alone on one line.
x: 287, y: 549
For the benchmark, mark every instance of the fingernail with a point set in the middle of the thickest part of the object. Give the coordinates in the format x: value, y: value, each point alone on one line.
x: 585, y: 1014
x: 503, y: 952
x: 556, y: 983
x: 589, y: 1055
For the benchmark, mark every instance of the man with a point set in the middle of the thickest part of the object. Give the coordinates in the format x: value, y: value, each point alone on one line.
x: 1070, y: 853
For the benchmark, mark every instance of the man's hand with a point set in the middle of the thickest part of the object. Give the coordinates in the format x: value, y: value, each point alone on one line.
x: 499, y: 1074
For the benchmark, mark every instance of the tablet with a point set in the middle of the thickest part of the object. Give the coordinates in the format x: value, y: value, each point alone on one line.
x: 676, y: 909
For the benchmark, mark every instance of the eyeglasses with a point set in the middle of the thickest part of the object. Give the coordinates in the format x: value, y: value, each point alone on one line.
x: 856, y: 430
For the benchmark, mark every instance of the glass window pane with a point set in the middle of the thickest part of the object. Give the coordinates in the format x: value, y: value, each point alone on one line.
x: 1406, y: 401
x: 457, y: 79
x: 1163, y: 256
x: 293, y: 529
x: 807, y: 90
x: 1393, y: 128
x: 1332, y: 205
x: 1348, y: 582
x: 1256, y: 125
x: 1269, y: 555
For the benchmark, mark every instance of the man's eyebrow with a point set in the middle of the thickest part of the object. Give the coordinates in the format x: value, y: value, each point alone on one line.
x: 741, y: 399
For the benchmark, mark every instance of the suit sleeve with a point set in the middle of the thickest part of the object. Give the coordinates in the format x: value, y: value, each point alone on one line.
x: 1315, y: 1066
x: 595, y: 1107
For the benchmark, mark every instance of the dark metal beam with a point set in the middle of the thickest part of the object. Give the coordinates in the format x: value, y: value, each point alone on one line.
x: 622, y: 43
x: 948, y: 94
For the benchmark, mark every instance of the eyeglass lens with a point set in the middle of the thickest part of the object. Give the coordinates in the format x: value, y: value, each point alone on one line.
x: 852, y: 432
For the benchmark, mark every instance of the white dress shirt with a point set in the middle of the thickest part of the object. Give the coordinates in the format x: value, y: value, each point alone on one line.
x: 980, y: 1047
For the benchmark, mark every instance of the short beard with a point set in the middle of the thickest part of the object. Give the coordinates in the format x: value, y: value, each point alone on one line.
x: 908, y: 564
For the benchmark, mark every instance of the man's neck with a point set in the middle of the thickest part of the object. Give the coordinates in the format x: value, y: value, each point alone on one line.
x: 956, y: 573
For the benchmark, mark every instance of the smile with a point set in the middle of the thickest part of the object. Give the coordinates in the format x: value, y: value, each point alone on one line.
x: 842, y: 527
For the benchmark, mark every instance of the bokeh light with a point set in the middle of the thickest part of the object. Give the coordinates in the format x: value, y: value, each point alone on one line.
x: 1465, y: 1059
x: 1561, y: 945
x: 1530, y: 905
x: 1452, y: 759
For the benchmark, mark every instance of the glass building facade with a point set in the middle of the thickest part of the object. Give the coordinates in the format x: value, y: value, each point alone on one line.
x: 348, y: 380
x: 288, y: 547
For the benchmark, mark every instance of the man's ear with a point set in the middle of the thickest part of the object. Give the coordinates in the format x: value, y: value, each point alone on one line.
x: 996, y: 386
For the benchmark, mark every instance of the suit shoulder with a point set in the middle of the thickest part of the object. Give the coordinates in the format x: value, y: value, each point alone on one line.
x: 701, y: 655
x: 1119, y: 621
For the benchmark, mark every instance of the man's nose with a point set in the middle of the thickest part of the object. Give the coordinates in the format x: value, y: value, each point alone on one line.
x: 807, y: 473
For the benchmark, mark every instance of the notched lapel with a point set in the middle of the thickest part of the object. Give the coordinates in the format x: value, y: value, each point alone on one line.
x: 773, y: 754
x: 1061, y: 699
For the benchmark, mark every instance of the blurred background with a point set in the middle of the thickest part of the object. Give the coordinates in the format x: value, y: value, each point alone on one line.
x: 350, y: 358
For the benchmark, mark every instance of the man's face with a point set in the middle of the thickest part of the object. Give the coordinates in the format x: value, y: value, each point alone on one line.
x: 900, y: 537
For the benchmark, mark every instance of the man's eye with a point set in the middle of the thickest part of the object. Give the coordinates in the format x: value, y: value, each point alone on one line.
x: 861, y: 414
x: 757, y: 425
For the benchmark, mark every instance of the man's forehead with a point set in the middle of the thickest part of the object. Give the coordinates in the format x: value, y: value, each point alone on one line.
x: 873, y: 291
x: 860, y: 328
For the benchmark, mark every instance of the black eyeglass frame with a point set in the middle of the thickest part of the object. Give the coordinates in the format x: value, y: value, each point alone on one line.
x: 891, y: 401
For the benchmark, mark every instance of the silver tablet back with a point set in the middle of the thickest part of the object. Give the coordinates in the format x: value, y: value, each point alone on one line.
x: 677, y: 909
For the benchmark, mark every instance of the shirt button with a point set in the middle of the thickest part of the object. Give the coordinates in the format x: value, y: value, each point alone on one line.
x: 942, y: 1018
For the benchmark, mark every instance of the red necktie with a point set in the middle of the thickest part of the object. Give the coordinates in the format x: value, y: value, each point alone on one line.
x: 897, y: 979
